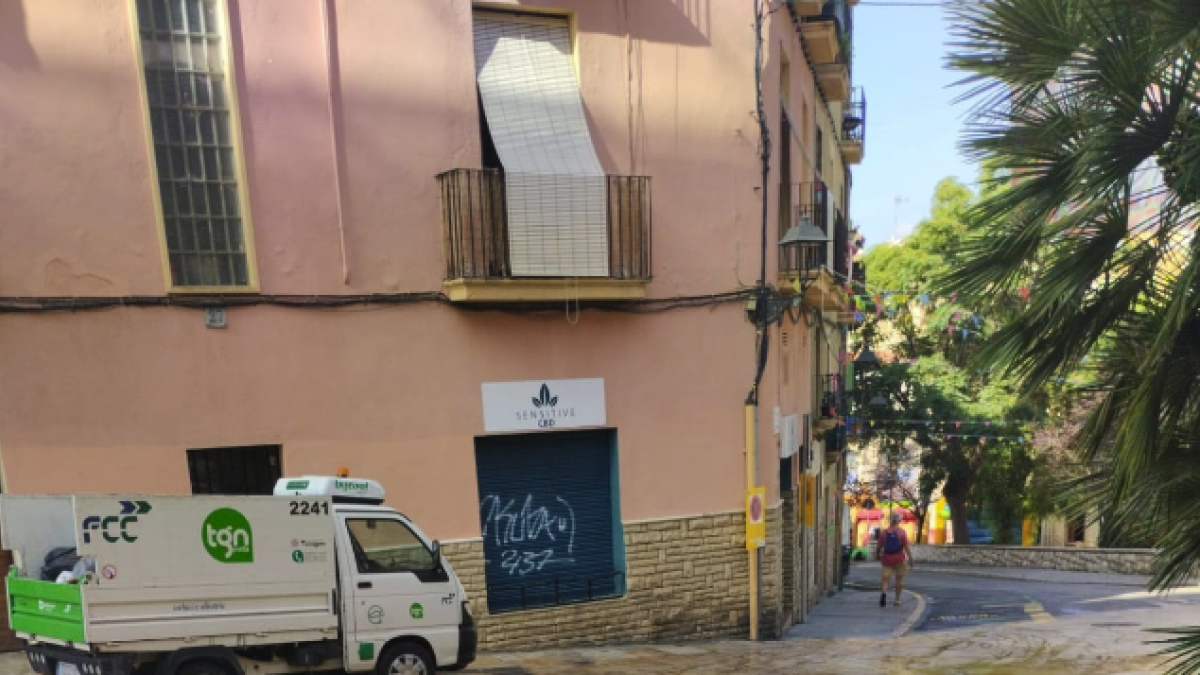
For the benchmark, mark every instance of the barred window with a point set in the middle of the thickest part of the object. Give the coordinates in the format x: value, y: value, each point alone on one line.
x: 191, y: 119
x: 248, y: 470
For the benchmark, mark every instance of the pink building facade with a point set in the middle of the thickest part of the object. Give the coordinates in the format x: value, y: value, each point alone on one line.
x: 240, y: 240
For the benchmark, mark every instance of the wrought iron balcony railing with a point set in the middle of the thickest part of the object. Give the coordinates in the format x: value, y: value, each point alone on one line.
x: 854, y: 117
x: 475, y: 232
x: 831, y: 396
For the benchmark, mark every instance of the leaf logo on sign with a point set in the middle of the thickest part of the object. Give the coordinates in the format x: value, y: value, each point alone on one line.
x: 544, y: 399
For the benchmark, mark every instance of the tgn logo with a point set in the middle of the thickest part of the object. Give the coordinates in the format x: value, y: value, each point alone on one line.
x: 107, y: 524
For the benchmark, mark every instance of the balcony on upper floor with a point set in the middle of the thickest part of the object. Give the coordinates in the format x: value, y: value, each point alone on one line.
x: 806, y: 8
x: 834, y: 80
x: 854, y: 127
x: 811, y: 261
x: 520, y: 238
x: 829, y: 408
x: 827, y: 32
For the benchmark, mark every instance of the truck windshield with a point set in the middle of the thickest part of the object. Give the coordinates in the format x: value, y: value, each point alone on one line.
x: 383, y: 546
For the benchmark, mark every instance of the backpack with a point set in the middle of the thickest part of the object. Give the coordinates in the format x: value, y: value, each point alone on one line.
x: 891, y: 542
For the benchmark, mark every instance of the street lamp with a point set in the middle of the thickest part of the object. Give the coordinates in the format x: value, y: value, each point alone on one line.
x: 866, y: 357
x: 804, y: 246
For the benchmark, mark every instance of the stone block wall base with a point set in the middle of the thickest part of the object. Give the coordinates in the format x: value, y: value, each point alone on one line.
x: 1103, y: 560
x: 687, y: 579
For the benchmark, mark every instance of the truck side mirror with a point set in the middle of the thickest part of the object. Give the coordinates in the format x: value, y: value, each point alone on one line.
x: 437, y: 554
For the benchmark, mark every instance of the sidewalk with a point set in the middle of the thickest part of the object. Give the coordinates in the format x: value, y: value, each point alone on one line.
x: 855, y: 613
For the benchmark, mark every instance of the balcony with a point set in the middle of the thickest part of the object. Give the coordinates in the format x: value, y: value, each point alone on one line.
x: 803, y: 261
x: 808, y: 257
x: 834, y: 80
x: 829, y: 407
x: 827, y: 34
x: 476, y: 243
x: 854, y: 127
x: 805, y: 8
x: 835, y: 445
x: 821, y: 38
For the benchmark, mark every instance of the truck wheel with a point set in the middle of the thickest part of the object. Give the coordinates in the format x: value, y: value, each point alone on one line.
x: 406, y: 658
x: 202, y: 667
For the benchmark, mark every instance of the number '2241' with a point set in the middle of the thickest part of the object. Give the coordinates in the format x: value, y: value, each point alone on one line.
x: 310, y: 508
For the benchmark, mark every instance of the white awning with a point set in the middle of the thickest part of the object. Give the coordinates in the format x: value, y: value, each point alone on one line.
x: 556, y: 191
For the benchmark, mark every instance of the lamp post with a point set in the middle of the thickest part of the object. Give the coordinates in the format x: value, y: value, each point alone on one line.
x: 805, y: 247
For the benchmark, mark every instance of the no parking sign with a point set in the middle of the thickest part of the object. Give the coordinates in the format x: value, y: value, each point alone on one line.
x: 756, y: 517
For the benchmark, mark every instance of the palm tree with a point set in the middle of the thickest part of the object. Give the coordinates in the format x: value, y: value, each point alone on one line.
x: 1087, y: 113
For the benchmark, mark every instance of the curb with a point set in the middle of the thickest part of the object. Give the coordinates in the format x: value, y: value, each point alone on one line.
x: 914, y: 619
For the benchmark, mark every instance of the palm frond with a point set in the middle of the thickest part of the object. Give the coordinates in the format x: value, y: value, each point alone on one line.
x: 1183, y: 649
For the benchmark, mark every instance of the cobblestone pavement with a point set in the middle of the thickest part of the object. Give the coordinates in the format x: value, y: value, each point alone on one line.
x: 970, y: 625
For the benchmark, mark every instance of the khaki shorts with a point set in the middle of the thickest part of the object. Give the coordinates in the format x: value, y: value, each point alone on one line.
x: 898, y: 570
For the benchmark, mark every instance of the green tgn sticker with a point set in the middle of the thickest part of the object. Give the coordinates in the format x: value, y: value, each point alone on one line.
x: 366, y: 651
x: 297, y: 485
x: 416, y: 611
x: 227, y: 536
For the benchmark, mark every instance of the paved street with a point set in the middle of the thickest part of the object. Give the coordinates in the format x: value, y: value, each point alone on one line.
x: 969, y: 621
x: 961, y: 620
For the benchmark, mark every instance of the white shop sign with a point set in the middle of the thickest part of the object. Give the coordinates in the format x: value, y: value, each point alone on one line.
x: 543, y: 405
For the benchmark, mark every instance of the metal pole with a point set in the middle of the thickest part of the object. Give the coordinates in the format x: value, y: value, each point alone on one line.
x: 751, y: 474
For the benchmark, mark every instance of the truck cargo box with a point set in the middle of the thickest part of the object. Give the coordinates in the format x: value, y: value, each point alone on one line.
x: 173, y: 570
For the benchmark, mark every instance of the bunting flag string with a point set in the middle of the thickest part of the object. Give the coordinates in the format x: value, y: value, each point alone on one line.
x: 869, y: 295
x: 951, y: 437
x: 958, y: 424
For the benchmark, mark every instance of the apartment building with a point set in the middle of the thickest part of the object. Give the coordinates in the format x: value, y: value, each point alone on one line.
x: 499, y: 256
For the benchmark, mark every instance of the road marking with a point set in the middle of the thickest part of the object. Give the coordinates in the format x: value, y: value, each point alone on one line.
x: 1144, y: 594
x: 914, y: 618
x: 968, y: 617
x: 1037, y: 613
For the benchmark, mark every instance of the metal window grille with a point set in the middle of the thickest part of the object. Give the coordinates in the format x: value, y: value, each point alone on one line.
x: 841, y: 247
x: 247, y: 470
x: 187, y: 87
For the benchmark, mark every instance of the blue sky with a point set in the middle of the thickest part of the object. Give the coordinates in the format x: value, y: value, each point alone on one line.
x: 912, y: 126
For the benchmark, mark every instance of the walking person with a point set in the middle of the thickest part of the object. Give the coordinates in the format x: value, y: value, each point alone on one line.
x: 893, y: 552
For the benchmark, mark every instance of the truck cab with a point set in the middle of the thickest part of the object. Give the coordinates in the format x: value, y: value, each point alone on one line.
x: 320, y: 576
x: 394, y: 582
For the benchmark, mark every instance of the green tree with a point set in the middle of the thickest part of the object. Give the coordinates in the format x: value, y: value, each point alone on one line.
x: 930, y: 377
x: 1088, y: 111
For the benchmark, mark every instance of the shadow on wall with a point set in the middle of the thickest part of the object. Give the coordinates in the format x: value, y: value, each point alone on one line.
x: 16, y: 53
x: 680, y: 22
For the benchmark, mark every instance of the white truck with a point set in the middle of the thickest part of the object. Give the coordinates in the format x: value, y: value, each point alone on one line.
x: 320, y: 576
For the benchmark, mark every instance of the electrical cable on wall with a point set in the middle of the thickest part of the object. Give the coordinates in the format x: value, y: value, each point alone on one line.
x: 34, y: 305
x: 763, y: 294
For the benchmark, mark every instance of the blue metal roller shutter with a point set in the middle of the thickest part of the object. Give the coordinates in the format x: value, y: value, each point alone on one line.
x: 547, y: 517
